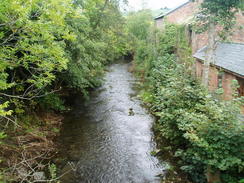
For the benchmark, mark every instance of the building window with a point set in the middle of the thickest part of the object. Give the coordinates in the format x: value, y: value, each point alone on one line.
x: 241, y: 88
x: 220, y: 79
x: 201, y: 71
x: 241, y: 91
x: 189, y: 33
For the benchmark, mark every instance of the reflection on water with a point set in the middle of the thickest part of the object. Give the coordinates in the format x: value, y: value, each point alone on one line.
x: 105, y: 140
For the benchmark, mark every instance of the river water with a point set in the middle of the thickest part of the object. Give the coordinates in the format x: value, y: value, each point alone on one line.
x: 109, y: 139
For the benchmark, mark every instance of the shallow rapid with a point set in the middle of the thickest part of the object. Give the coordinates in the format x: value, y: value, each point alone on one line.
x: 109, y: 139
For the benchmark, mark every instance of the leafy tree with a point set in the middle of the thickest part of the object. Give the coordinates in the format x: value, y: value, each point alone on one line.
x: 98, y: 26
x: 47, y: 46
x: 32, y: 46
x: 38, y: 43
x: 139, y: 23
x: 140, y: 27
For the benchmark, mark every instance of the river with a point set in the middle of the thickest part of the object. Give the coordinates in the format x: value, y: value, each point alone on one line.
x: 109, y: 139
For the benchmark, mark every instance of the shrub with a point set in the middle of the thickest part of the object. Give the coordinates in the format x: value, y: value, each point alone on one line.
x: 52, y: 102
x: 206, y: 132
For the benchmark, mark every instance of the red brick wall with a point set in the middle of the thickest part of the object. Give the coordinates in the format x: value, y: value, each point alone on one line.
x: 237, y: 35
x: 182, y: 14
x: 241, y: 83
x: 199, y: 69
x: 241, y: 89
x: 213, y: 75
x: 179, y: 16
x: 186, y: 12
x: 213, y: 79
x: 227, y: 83
x: 199, y: 41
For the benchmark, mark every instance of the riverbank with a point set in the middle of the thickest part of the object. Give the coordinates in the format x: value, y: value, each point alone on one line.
x: 27, y: 151
x: 109, y: 135
x: 164, y: 150
x: 165, y: 153
x: 198, y: 123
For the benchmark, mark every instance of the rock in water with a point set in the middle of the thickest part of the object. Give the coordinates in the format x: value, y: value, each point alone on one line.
x: 131, y: 112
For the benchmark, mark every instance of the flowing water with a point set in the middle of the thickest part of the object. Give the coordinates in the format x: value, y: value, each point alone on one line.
x: 109, y: 139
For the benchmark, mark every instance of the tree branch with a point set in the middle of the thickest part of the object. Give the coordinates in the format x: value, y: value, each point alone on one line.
x: 28, y: 98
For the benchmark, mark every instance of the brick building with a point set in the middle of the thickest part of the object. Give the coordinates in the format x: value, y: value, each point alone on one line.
x: 228, y: 65
x: 229, y: 57
x: 179, y: 15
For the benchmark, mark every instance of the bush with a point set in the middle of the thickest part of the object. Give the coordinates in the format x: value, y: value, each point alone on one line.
x: 205, y: 131
x: 52, y: 102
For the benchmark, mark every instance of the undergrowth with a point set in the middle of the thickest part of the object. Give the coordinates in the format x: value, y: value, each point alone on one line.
x: 206, y: 133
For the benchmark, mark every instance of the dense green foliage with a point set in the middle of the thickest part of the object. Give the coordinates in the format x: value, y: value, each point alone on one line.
x: 28, y: 30
x: 139, y: 23
x: 204, y: 130
x: 99, y: 40
x: 51, y: 47
x: 46, y: 45
x: 140, y: 28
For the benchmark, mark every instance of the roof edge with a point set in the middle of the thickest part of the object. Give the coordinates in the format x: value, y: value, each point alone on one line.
x: 222, y: 68
x: 172, y: 10
x: 205, y: 47
x: 213, y: 64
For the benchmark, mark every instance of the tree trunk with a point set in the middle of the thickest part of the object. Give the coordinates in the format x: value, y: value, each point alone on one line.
x: 210, y: 57
x: 213, y: 176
